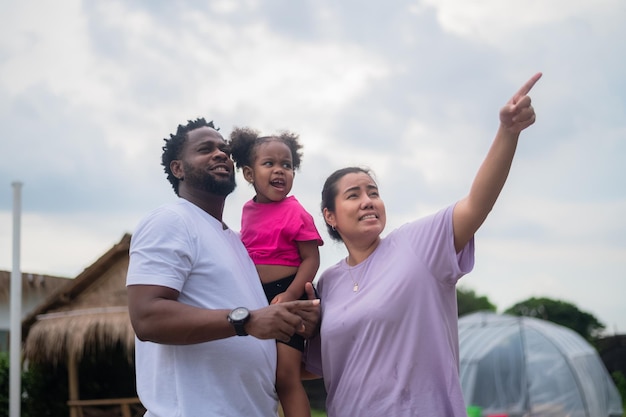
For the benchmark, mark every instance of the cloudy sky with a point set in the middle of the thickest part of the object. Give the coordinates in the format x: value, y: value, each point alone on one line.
x: 409, y: 88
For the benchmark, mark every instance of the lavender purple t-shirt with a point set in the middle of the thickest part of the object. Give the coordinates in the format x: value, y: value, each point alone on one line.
x: 391, y: 348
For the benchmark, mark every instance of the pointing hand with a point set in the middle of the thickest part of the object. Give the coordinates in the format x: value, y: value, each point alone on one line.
x: 518, y: 114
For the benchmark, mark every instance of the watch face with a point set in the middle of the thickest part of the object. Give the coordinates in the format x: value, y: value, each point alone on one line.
x: 239, y: 313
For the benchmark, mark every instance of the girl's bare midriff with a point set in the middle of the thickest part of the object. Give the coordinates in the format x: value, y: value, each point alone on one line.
x: 270, y: 273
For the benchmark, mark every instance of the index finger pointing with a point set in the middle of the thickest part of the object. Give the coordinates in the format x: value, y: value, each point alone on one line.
x: 528, y: 86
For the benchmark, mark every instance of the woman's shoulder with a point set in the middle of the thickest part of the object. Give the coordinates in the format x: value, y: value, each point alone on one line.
x: 327, y: 277
x: 424, y: 224
x: 332, y: 270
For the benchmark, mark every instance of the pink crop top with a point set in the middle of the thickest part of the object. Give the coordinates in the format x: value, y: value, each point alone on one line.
x: 270, y: 231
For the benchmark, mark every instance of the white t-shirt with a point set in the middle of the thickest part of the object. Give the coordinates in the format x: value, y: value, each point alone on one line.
x: 391, y: 348
x: 182, y: 247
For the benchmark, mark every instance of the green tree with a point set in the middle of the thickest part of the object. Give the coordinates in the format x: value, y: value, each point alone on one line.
x: 469, y: 302
x: 560, y: 312
x: 45, y: 390
x: 620, y: 383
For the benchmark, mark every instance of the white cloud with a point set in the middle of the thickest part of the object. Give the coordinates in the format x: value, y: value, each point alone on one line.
x: 46, y: 47
x: 208, y: 65
x: 580, y: 273
x: 415, y: 102
x: 60, y: 244
x: 498, y: 22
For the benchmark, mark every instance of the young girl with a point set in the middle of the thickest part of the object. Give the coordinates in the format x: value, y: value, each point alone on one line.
x: 282, y: 240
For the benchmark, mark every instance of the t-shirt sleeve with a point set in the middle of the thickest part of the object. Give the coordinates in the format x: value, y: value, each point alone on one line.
x: 432, y: 239
x: 160, y: 251
x: 306, y: 230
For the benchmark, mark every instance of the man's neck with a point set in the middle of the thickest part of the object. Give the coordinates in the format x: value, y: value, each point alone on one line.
x: 211, y: 203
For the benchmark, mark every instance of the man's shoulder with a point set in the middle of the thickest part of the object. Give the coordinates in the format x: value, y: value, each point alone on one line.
x: 164, y: 213
x: 179, y: 206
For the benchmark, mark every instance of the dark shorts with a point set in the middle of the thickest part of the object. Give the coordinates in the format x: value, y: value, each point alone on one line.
x: 272, y: 289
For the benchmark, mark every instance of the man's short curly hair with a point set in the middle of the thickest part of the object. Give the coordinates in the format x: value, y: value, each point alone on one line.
x: 244, y: 141
x: 174, y: 146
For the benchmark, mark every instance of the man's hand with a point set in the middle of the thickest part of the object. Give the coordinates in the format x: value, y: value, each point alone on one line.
x: 310, y: 317
x: 281, y: 321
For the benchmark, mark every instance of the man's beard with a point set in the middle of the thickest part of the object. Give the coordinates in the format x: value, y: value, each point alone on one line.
x: 204, y: 181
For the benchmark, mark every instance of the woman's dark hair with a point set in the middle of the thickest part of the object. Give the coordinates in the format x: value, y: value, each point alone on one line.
x: 243, y: 142
x: 173, y: 147
x: 329, y: 193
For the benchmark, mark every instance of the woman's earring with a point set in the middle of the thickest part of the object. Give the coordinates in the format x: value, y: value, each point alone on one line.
x: 333, y: 227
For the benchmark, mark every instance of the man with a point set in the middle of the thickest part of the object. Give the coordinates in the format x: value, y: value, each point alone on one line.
x: 188, y: 276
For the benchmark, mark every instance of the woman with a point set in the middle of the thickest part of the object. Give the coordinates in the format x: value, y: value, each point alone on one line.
x: 388, y: 343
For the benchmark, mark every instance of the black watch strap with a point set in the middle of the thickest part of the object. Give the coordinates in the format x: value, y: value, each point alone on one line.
x: 238, y: 317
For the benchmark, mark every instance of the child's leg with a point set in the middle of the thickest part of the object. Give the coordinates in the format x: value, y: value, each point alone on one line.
x: 291, y: 393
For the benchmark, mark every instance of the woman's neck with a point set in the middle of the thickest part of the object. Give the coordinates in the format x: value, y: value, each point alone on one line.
x: 359, y: 253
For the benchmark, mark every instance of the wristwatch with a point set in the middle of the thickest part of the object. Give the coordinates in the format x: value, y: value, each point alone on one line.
x: 238, y: 318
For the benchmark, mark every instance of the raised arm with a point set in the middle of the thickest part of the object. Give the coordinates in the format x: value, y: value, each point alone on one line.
x: 470, y: 212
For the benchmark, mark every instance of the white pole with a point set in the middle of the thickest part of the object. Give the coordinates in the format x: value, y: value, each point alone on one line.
x: 15, y: 347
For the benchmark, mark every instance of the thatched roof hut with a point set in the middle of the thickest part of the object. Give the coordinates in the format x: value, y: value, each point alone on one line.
x: 35, y: 289
x: 33, y: 285
x: 92, y: 310
x: 89, y: 314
